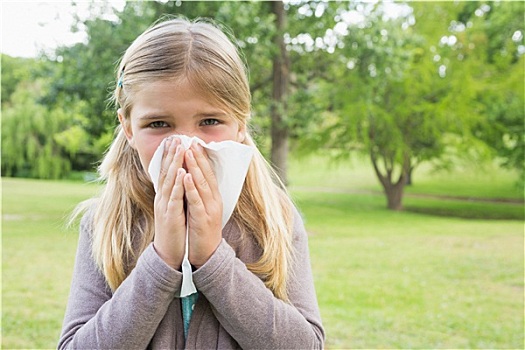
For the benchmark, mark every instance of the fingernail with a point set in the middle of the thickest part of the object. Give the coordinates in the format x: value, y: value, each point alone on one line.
x: 190, y: 154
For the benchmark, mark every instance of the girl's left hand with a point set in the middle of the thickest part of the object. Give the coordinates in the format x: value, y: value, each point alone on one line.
x: 204, y: 206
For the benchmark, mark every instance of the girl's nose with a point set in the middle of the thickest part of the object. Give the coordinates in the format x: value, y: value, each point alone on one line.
x: 188, y: 133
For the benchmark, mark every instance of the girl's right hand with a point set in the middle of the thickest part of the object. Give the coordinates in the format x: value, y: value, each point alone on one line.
x: 170, y: 217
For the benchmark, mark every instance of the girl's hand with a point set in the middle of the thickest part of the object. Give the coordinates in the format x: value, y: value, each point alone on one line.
x: 170, y: 219
x: 204, y: 206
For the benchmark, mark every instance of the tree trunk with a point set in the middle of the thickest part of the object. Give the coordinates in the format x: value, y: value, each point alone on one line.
x: 280, y: 76
x: 393, y: 189
x: 394, y: 196
x: 409, y: 176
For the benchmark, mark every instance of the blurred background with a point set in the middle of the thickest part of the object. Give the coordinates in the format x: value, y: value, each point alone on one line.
x: 397, y: 126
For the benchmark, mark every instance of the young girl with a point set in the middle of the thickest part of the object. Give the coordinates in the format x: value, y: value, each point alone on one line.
x: 253, y: 277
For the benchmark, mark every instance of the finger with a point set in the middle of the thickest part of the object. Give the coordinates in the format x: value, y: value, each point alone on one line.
x: 204, y: 164
x: 178, y: 158
x: 171, y: 174
x: 198, y: 178
x: 195, y: 202
x: 176, y: 201
x: 167, y: 157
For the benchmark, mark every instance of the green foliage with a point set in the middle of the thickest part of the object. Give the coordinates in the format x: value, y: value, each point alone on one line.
x: 16, y: 71
x: 388, y: 86
x: 503, y: 127
x: 501, y: 94
x: 13, y: 72
x: 28, y: 144
x: 40, y: 140
x: 501, y: 22
x: 400, y: 91
x: 390, y: 104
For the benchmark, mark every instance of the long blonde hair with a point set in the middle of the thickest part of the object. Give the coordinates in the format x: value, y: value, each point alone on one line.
x: 124, y: 220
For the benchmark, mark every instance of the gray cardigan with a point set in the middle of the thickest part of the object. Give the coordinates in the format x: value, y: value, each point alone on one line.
x: 234, y: 309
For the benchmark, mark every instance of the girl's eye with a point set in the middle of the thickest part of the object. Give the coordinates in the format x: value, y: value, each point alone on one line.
x: 158, y: 124
x: 208, y: 122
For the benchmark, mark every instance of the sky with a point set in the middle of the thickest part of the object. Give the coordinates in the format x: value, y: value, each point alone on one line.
x: 29, y: 27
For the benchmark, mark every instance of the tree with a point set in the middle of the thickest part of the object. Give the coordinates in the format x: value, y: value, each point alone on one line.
x: 280, y: 77
x: 389, y: 103
x: 344, y: 76
x: 407, y: 88
x: 37, y: 141
x: 86, y: 74
x: 497, y: 30
x: 14, y: 71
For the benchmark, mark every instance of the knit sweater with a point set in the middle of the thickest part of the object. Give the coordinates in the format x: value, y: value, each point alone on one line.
x: 234, y: 308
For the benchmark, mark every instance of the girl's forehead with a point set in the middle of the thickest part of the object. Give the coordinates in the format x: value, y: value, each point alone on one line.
x: 175, y: 94
x: 172, y: 86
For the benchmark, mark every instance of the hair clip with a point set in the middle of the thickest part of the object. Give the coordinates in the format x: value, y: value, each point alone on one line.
x: 120, y: 83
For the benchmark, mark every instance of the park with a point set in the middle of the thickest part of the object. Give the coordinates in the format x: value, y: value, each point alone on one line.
x: 397, y: 128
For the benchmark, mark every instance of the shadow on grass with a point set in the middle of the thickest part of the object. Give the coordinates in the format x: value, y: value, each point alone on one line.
x: 435, y: 205
x: 467, y: 210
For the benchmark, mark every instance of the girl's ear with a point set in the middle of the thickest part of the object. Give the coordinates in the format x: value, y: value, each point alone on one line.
x: 126, y: 127
x: 241, y: 134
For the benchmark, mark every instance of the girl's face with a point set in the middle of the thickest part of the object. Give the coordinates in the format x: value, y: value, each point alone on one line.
x: 165, y: 108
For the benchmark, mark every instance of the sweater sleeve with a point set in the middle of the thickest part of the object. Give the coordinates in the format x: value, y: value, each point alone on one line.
x: 127, y: 319
x: 250, y: 312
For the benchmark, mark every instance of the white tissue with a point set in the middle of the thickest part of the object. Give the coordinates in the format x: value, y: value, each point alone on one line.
x: 230, y: 161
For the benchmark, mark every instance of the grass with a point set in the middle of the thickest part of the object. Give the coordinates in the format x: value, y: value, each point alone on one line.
x: 441, y: 274
x: 384, y: 279
x: 37, y: 259
x: 404, y: 280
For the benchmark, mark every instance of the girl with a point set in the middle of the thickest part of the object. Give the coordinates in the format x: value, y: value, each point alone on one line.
x: 254, y: 281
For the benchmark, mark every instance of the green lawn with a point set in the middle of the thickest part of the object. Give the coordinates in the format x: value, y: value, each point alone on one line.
x: 37, y: 259
x: 404, y: 280
x: 384, y: 279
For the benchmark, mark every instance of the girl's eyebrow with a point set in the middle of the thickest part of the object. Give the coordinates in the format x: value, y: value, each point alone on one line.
x: 211, y: 114
x: 204, y: 114
x: 151, y: 116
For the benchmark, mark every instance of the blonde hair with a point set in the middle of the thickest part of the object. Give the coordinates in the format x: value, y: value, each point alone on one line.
x: 124, y: 220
